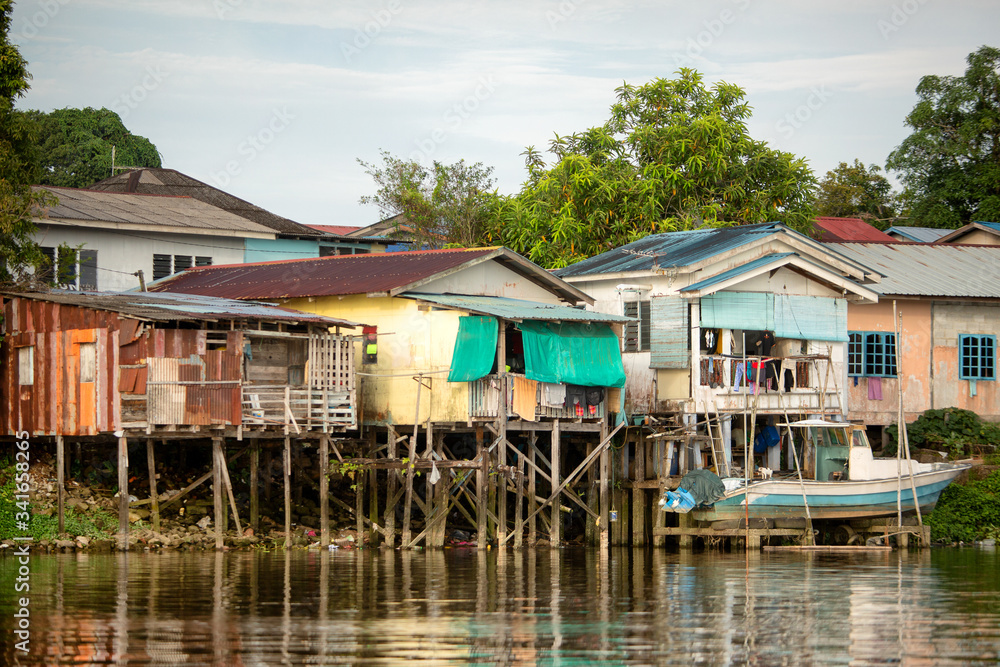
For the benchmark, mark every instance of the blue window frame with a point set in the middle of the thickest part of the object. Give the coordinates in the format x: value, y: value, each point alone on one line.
x: 977, y: 357
x: 871, y: 354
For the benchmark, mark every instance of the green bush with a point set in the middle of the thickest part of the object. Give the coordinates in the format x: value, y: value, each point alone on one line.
x: 968, y: 512
x: 959, y: 432
x: 96, y: 523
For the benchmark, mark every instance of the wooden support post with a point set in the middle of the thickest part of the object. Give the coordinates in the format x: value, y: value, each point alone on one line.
x: 532, y: 503
x: 501, y: 452
x: 153, y: 495
x: 605, y: 482
x: 255, y: 485
x: 686, y: 540
x: 123, y: 493
x: 61, y: 481
x: 373, y: 534
x: 482, y: 477
x: 442, y: 495
x: 324, y: 490
x: 408, y: 502
x: 392, y: 484
x: 519, y: 508
x: 297, y: 472
x: 359, y: 504
x: 639, y: 495
x: 219, y: 507
x: 287, y: 475
x: 79, y: 459
x: 555, y: 458
x: 592, y: 527
x: 268, y: 471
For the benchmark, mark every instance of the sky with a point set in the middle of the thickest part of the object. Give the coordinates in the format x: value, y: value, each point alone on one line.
x: 277, y: 101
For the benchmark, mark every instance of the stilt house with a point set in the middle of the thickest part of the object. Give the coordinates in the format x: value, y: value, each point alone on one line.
x: 461, y: 343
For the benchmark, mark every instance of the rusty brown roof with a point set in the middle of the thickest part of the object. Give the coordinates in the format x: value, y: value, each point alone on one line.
x: 388, y: 273
x: 159, y: 181
x: 180, y: 307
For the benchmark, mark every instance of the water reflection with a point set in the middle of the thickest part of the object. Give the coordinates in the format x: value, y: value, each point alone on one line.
x: 526, y: 607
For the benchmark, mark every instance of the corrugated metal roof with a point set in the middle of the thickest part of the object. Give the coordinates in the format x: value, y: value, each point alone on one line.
x: 834, y: 230
x: 324, y: 276
x: 186, y: 307
x: 89, y: 207
x: 160, y: 181
x: 516, y: 309
x: 378, y: 273
x: 737, y: 271
x: 912, y: 269
x: 669, y: 250
x: 919, y: 234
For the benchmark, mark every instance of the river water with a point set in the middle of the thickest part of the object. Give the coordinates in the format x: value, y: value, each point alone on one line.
x: 551, y: 607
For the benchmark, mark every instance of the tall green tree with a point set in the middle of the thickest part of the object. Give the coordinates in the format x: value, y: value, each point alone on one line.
x: 19, y: 253
x: 950, y: 163
x: 445, y: 205
x: 75, y: 146
x: 673, y: 155
x: 856, y: 191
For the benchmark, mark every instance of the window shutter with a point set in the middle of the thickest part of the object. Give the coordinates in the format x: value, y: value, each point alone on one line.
x: 669, y: 333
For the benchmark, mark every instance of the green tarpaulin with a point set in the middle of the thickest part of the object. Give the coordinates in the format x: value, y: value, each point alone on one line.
x: 587, y: 354
x: 475, y: 348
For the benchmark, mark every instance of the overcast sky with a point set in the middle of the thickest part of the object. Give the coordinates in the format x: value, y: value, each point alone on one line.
x: 276, y: 101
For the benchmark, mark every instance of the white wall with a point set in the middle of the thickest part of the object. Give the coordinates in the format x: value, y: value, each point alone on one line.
x: 490, y: 279
x: 121, y: 253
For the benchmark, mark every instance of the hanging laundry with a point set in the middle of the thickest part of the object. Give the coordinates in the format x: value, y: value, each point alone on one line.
x: 874, y: 389
x: 576, y: 399
x: 739, y: 375
x: 553, y: 395
x: 525, y: 393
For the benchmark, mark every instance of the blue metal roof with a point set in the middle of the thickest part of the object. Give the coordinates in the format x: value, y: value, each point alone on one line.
x: 995, y: 226
x: 919, y: 234
x: 737, y: 271
x: 670, y: 249
x: 516, y: 309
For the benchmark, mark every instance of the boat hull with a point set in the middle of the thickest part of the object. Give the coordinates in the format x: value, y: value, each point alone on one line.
x: 849, y: 499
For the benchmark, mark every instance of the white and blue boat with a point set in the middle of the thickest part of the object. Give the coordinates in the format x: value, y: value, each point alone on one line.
x: 841, y: 479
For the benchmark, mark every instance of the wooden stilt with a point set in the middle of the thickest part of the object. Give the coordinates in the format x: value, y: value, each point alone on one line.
x: 592, y: 528
x: 255, y: 485
x: 287, y: 474
x: 61, y: 481
x: 639, y: 494
x: 442, y: 494
x: 392, y: 484
x: 297, y: 474
x: 605, y: 481
x: 519, y: 507
x: 532, y: 503
x: 324, y: 490
x: 373, y: 533
x: 153, y: 495
x: 359, y: 504
x: 408, y: 502
x: 123, y: 493
x: 555, y: 458
x: 501, y: 453
x: 79, y: 459
x: 219, y: 507
x: 482, y: 477
x: 408, y: 507
x: 268, y: 471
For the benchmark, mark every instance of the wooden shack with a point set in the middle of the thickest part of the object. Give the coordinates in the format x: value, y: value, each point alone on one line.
x: 478, y: 369
x: 171, y: 367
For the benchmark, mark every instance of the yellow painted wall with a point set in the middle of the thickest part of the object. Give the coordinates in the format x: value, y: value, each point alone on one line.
x: 980, y: 237
x: 411, y: 339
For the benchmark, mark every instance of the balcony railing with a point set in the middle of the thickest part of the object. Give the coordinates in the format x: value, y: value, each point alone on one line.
x: 484, y: 402
x: 281, y: 405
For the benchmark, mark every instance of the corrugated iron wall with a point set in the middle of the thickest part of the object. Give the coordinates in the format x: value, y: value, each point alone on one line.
x: 57, y: 400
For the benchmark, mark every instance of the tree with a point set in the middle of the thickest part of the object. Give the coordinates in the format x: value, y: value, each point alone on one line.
x: 674, y: 155
x: 856, y: 191
x: 75, y: 146
x: 446, y: 205
x: 18, y: 167
x: 950, y: 163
